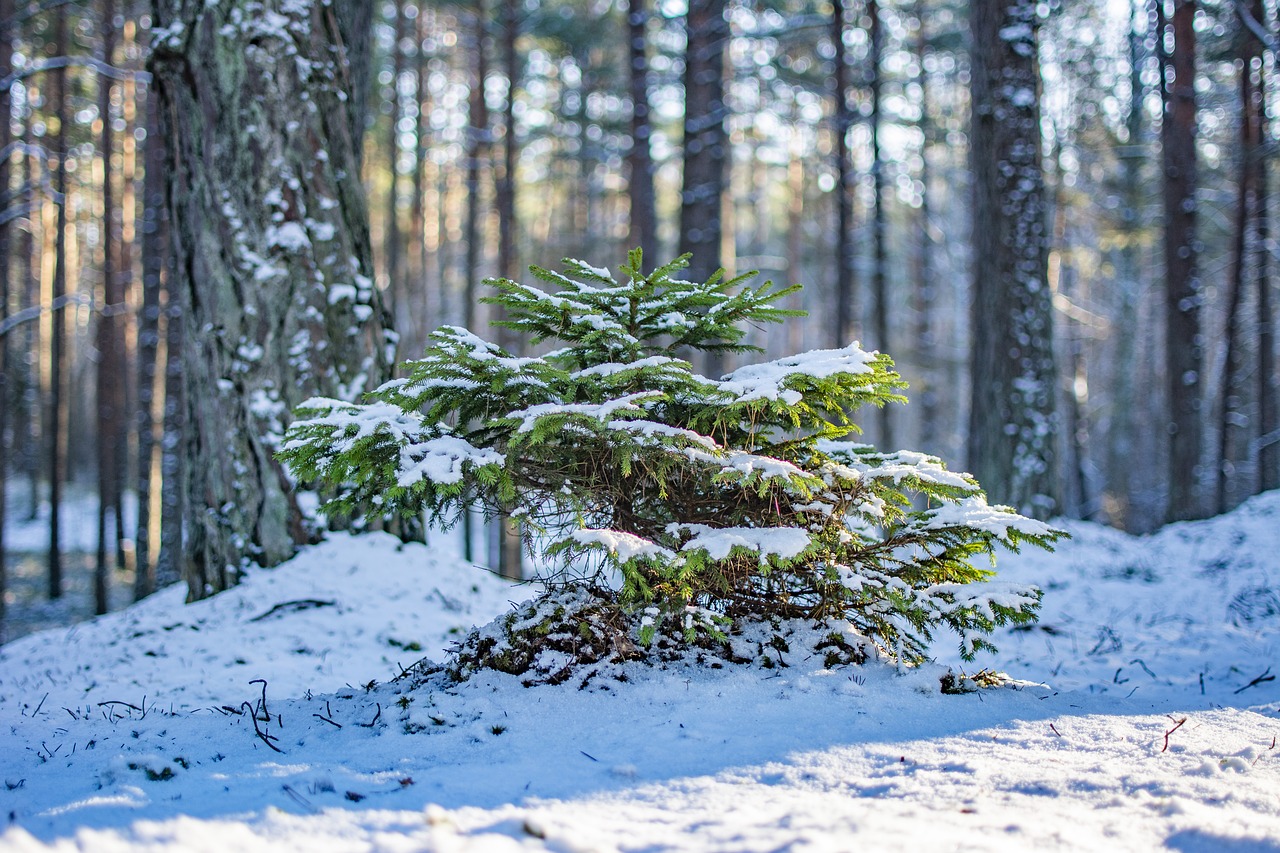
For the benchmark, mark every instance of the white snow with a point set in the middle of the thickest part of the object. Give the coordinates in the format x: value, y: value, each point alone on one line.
x: 767, y: 381
x: 1155, y: 729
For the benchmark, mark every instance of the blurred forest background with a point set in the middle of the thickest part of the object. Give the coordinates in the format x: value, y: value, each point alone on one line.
x: 501, y: 133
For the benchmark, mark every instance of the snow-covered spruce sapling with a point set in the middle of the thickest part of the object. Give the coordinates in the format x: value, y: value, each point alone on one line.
x: 679, y: 502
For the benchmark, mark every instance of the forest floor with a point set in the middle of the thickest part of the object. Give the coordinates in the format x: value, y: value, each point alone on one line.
x: 1145, y: 717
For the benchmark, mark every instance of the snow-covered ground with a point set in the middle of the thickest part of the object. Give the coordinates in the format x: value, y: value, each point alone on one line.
x: 1155, y: 727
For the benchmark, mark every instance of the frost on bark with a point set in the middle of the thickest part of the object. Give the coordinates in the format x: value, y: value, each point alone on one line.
x: 1012, y: 424
x: 270, y: 253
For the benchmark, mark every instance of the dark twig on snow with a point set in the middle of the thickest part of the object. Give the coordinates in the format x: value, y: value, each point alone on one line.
x: 1177, y: 724
x: 118, y: 702
x: 1055, y: 730
x: 41, y: 705
x: 589, y: 755
x: 1261, y: 679
x: 262, y: 703
x: 298, y: 798
x: 265, y: 737
x: 329, y: 719
x: 293, y: 607
x: 375, y: 719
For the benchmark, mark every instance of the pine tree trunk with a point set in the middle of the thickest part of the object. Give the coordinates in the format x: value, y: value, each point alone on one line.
x: 395, y: 278
x: 845, y: 324
x: 6, y: 200
x: 33, y: 391
x: 1120, y: 433
x: 1268, y: 381
x: 271, y: 258
x: 1244, y: 253
x: 509, y: 553
x: 477, y: 148
x: 429, y: 302
x: 1013, y: 422
x: 880, y: 261
x: 925, y: 288
x: 55, y: 421
x: 153, y: 240
x: 1183, y: 297
x: 110, y: 364
x: 640, y: 189
x: 705, y: 143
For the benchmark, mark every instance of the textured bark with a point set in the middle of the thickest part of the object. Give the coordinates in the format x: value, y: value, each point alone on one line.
x: 110, y: 339
x: 55, y: 420
x: 640, y: 189
x: 269, y: 238
x: 705, y: 144
x: 1183, y: 298
x: 844, y: 327
x: 1013, y: 424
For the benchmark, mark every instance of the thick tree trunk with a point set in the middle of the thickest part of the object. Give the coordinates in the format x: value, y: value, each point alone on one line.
x: 705, y: 143
x: 1013, y: 423
x: 261, y: 115
x: 844, y: 327
x: 640, y: 189
x: 1183, y: 340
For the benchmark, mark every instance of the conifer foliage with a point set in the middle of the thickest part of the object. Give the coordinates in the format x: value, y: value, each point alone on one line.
x: 687, y: 504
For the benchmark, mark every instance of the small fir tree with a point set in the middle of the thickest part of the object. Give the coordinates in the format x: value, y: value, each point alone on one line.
x: 681, y: 502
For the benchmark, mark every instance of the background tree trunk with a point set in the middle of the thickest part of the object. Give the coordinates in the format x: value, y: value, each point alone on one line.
x: 271, y: 257
x: 1013, y: 424
x: 56, y: 420
x: 643, y: 216
x: 149, y: 346
x: 845, y: 324
x: 110, y: 368
x: 7, y: 201
x: 1183, y: 341
x: 705, y: 145
x: 879, y: 257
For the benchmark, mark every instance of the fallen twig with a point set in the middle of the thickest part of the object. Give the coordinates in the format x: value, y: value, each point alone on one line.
x: 265, y: 737
x: 262, y: 703
x: 327, y: 720
x: 1177, y: 725
x: 1261, y: 679
x: 1055, y: 730
x: 294, y: 607
x: 46, y: 696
